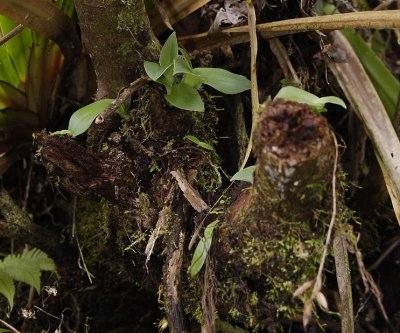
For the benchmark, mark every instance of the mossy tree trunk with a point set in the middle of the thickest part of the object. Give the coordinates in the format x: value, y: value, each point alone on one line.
x: 268, y: 240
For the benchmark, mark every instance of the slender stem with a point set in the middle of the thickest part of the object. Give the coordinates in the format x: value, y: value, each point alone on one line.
x: 379, y: 19
x: 9, y: 326
x: 318, y: 280
x: 253, y: 72
x: 113, y: 107
x: 11, y: 34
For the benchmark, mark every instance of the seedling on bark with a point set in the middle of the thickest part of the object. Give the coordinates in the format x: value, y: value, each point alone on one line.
x: 182, y: 82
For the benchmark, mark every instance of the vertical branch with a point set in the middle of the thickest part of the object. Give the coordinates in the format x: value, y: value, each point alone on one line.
x: 118, y: 37
x: 253, y: 73
x: 344, y: 282
x: 18, y: 224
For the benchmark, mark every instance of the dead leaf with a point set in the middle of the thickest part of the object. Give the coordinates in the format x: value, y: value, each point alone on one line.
x: 233, y: 13
x: 322, y: 301
x: 189, y: 192
x: 307, y: 314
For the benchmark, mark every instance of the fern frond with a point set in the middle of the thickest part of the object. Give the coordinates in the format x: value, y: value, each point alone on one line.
x: 25, y: 267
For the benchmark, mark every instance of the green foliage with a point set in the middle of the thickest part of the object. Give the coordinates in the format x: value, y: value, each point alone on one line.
x: 245, y: 175
x: 26, y: 268
x: 386, y: 85
x: 201, y: 144
x: 29, y: 69
x: 316, y: 103
x: 82, y: 118
x: 175, y: 71
x: 201, y: 251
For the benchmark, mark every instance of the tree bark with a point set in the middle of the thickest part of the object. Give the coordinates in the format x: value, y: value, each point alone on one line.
x: 119, y: 38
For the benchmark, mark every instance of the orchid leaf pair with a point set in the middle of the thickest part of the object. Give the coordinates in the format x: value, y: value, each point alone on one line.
x: 182, y: 82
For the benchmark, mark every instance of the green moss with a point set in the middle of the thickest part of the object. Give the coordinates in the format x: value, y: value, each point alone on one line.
x: 92, y: 229
x: 208, y: 178
x: 268, y: 260
x: 132, y: 18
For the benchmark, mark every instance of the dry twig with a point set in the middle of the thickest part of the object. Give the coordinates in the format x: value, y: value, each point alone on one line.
x: 383, y: 19
x: 251, y: 16
x: 9, y: 326
x: 316, y: 292
x: 11, y: 34
x: 126, y: 93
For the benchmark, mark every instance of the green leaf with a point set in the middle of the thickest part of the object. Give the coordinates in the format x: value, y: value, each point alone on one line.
x: 169, y: 51
x: 245, y: 175
x: 67, y: 6
x: 208, y: 233
x: 17, y: 47
x: 166, y: 83
x: 7, y: 287
x: 154, y: 70
x: 169, y: 75
x: 25, y: 268
x: 192, y: 80
x: 202, y: 248
x: 301, y: 96
x: 201, y: 144
x: 40, y: 259
x: 181, y: 66
x: 185, y: 97
x: 223, y: 80
x: 23, y: 271
x: 82, y: 119
x: 186, y: 56
x: 11, y: 96
x: 385, y: 83
x: 8, y: 72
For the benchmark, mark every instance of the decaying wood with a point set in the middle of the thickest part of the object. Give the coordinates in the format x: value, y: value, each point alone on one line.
x: 161, y: 222
x: 87, y: 174
x: 344, y: 282
x: 292, y: 154
x: 173, y: 276
x: 207, y: 300
x: 191, y: 194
